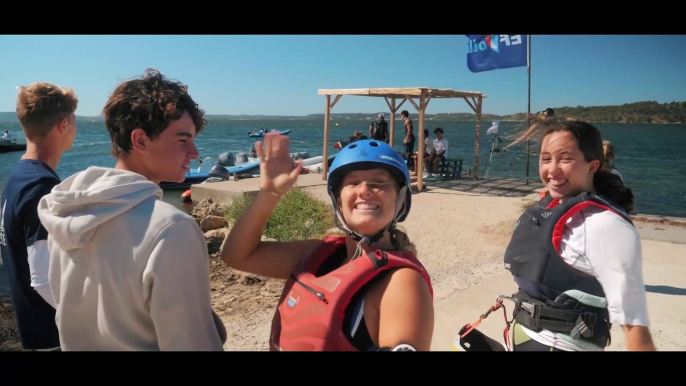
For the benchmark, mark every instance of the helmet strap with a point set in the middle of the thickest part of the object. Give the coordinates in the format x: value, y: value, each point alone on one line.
x: 399, y: 210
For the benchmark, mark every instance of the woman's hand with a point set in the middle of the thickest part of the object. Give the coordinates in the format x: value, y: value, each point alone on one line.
x: 278, y: 172
x: 243, y: 249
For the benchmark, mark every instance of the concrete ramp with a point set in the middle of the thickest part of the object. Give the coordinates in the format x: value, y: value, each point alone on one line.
x: 225, y: 191
x: 658, y: 232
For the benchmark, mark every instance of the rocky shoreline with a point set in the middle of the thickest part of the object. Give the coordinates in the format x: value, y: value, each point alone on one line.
x: 235, y: 294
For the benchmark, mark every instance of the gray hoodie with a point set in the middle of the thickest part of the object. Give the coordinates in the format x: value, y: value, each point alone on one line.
x: 127, y: 270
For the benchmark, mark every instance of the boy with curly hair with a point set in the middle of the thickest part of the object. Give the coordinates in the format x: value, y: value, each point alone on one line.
x: 129, y: 271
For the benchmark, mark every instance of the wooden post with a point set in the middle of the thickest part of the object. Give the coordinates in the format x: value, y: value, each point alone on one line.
x: 392, y: 125
x: 327, y: 115
x: 479, y: 101
x: 419, y: 167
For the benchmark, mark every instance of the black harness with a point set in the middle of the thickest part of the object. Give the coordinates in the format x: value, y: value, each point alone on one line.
x: 542, y: 275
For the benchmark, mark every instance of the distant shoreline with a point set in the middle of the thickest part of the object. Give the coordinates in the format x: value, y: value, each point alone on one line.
x: 339, y: 118
x: 648, y: 112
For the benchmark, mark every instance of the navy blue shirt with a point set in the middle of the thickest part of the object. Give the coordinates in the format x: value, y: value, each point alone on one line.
x: 20, y: 228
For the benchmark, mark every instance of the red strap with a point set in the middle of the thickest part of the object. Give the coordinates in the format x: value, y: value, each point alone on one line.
x: 471, y: 327
x: 506, y: 332
x: 506, y: 335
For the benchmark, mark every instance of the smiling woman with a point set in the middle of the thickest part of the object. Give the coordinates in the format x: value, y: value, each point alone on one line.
x: 368, y: 214
x: 370, y: 291
x: 575, y: 254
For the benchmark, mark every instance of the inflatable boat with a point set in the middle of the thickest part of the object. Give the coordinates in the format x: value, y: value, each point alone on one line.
x: 260, y: 134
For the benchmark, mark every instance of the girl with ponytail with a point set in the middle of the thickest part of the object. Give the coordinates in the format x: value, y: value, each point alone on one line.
x: 598, y: 242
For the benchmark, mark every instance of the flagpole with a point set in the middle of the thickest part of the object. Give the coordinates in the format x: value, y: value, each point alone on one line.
x: 528, y: 71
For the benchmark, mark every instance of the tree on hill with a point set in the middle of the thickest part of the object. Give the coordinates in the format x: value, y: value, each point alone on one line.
x: 637, y: 112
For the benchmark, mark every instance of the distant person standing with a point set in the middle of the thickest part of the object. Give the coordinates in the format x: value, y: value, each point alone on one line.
x: 379, y: 129
x: 608, y: 156
x: 409, y: 139
x: 46, y: 115
x: 7, y: 136
x: 547, y: 113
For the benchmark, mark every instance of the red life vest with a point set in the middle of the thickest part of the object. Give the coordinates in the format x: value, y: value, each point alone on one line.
x: 311, y: 309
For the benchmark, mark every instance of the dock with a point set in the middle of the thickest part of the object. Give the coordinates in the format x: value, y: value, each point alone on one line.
x: 508, y: 187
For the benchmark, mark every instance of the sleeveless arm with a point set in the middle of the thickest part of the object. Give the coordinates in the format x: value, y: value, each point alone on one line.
x: 403, y: 306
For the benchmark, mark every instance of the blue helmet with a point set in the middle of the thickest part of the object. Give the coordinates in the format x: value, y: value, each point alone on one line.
x: 371, y: 154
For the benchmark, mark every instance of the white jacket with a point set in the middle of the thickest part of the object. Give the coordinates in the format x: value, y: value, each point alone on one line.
x: 127, y: 270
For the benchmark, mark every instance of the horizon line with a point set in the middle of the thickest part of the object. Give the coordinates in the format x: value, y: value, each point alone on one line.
x: 305, y: 115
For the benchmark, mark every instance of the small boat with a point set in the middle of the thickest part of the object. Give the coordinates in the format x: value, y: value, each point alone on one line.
x: 248, y: 167
x: 208, y: 169
x: 251, y: 168
x: 244, y: 163
x: 317, y: 163
x: 228, y: 165
x: 260, y: 134
x: 192, y: 178
x: 6, y: 146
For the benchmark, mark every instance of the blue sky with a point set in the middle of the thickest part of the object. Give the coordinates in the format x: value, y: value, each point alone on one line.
x: 280, y: 75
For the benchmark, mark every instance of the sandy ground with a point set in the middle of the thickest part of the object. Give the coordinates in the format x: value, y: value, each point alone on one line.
x: 664, y: 276
x: 460, y: 238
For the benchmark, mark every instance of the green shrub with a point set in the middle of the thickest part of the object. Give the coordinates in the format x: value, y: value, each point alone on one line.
x: 297, y: 216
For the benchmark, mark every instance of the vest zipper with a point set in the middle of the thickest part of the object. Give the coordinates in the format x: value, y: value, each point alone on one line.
x: 310, y: 289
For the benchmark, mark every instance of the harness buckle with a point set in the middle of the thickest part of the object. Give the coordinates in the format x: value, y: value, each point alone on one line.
x: 585, y: 324
x: 530, y: 308
x: 589, y: 317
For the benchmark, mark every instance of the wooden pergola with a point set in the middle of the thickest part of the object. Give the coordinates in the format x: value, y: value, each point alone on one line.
x: 394, y: 95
